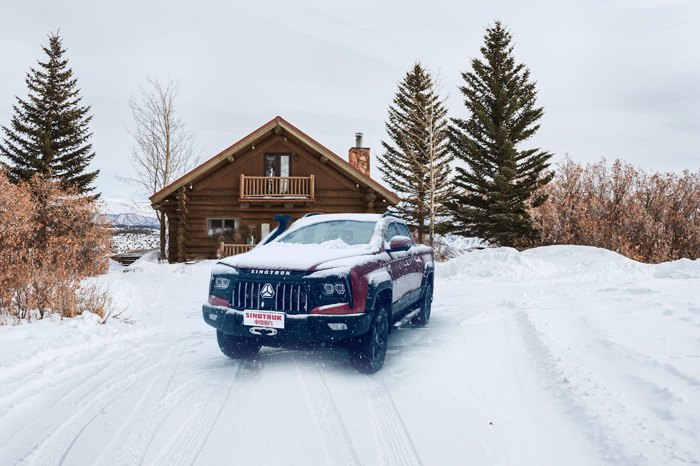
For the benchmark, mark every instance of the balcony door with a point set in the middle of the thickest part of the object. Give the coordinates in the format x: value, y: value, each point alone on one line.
x: 277, y: 165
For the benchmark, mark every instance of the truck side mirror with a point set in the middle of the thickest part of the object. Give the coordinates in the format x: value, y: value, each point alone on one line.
x: 400, y: 243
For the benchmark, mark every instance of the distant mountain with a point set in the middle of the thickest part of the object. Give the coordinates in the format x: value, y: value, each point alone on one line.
x: 130, y: 220
x: 128, y: 213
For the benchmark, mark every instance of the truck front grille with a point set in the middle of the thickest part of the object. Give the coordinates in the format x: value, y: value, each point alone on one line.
x: 288, y: 297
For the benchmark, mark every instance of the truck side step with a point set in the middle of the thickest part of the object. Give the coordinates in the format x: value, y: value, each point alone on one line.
x: 407, y: 318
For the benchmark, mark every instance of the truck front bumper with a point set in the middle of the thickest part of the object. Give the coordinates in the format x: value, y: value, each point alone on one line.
x: 298, y: 328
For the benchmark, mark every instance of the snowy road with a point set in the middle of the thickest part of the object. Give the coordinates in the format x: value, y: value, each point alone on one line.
x: 562, y: 355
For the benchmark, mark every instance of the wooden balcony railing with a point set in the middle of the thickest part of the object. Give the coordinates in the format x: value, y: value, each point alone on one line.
x: 233, y: 249
x: 277, y: 187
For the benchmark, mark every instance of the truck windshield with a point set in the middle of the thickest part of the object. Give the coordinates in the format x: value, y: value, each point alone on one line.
x: 350, y: 232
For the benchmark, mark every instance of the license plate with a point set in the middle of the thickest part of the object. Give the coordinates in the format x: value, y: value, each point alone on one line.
x: 263, y: 319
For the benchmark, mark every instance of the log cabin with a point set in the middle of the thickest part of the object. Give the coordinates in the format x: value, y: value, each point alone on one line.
x: 226, y: 205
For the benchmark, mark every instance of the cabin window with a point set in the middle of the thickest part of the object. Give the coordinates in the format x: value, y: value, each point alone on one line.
x: 219, y: 226
x: 277, y: 164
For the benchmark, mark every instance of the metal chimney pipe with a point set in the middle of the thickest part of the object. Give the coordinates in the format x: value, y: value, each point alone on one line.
x: 358, y: 139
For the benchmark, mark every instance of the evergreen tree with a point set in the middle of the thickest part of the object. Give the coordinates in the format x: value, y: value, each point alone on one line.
x: 416, y: 162
x: 48, y: 133
x: 498, y: 186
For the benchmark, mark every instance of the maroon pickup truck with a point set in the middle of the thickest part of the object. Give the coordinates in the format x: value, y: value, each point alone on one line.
x: 327, y: 278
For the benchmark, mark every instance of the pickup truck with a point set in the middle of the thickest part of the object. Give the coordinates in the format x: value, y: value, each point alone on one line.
x: 349, y: 278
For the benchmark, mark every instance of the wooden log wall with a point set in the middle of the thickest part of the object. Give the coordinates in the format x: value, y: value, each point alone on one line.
x: 217, y: 196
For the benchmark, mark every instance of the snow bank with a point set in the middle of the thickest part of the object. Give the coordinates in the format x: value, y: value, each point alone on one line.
x: 560, y: 263
x: 147, y: 261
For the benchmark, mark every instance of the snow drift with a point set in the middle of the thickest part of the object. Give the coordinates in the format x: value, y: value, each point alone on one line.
x: 561, y: 263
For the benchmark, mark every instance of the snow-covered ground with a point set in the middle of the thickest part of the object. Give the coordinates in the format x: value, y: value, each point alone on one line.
x: 135, y: 238
x: 559, y: 355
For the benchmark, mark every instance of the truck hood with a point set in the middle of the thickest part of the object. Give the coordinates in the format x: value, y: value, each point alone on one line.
x: 305, y: 257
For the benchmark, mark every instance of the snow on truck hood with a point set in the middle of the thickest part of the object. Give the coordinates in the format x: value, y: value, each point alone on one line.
x: 330, y: 254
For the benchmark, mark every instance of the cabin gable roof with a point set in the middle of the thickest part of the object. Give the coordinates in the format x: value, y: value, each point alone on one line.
x: 262, y: 133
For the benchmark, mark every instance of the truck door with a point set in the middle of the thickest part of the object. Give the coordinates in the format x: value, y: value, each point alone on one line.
x: 398, y: 265
x: 413, y: 268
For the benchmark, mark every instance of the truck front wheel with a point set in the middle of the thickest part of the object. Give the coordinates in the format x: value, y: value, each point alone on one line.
x: 368, y: 351
x: 237, y: 347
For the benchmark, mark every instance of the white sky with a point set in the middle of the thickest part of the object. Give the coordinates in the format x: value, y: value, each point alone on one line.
x: 616, y: 78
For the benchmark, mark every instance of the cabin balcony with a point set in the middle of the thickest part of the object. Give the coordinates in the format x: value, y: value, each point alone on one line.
x: 234, y: 249
x: 277, y: 189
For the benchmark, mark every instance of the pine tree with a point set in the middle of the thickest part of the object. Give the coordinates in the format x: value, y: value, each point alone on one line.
x: 48, y: 133
x: 417, y: 161
x: 497, y: 188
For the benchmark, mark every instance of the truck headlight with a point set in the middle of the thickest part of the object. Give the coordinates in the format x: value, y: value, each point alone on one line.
x: 334, y: 289
x: 221, y: 283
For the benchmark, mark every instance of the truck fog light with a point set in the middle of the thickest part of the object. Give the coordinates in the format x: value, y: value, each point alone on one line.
x: 338, y: 326
x: 213, y: 316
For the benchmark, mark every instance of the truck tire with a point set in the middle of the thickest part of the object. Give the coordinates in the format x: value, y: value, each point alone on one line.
x: 237, y: 347
x: 426, y: 304
x: 368, y: 351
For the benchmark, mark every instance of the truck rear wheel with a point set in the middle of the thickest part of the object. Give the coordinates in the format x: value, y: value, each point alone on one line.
x: 426, y: 304
x: 237, y: 347
x: 368, y: 351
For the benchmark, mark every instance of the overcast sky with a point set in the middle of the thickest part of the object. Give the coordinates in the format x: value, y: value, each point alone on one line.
x: 617, y: 78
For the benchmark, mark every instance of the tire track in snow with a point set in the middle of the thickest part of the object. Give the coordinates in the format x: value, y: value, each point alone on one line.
x: 392, y: 437
x: 639, y: 357
x: 34, y: 363
x: 90, y: 370
x: 185, y: 446
x: 131, y: 443
x: 337, y: 445
x: 53, y: 449
x: 336, y: 441
x: 594, y: 405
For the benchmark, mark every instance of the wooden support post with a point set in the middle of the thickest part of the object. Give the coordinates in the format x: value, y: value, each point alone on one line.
x: 313, y: 188
x: 181, y: 225
x: 240, y: 196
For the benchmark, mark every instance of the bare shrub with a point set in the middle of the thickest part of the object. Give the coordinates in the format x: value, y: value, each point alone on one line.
x: 16, y: 226
x: 649, y: 217
x: 51, y: 240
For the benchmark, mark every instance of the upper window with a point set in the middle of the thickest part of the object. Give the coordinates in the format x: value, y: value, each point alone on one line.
x: 219, y: 226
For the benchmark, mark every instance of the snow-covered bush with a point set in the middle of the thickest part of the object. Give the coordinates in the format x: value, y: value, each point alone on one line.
x: 49, y: 242
x: 649, y: 217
